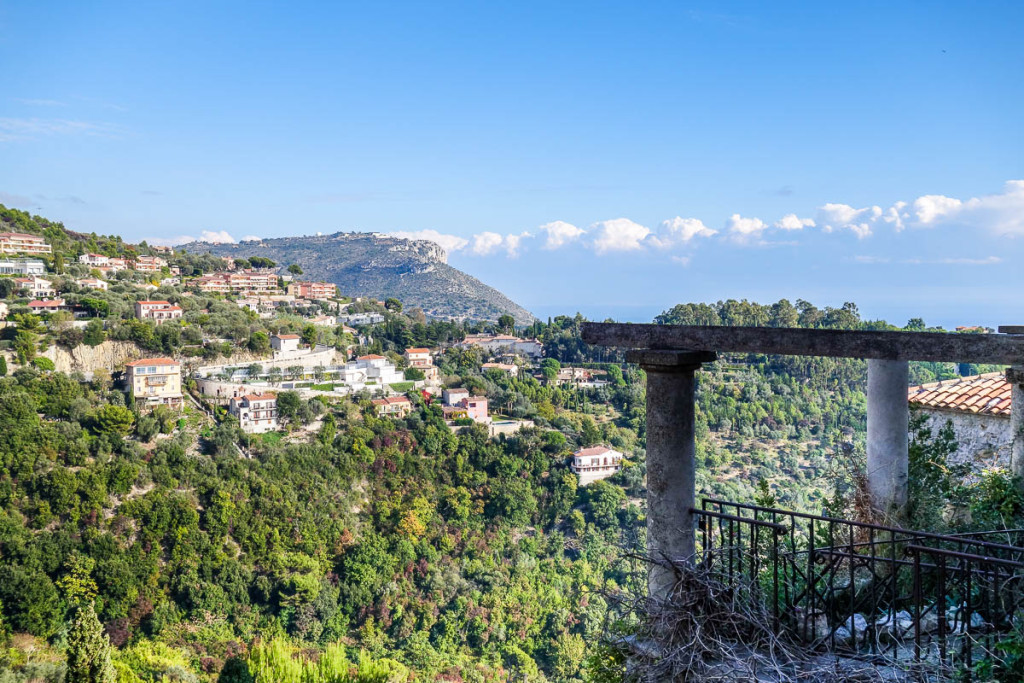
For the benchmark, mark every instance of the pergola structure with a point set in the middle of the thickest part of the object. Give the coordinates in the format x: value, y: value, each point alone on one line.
x: 671, y: 355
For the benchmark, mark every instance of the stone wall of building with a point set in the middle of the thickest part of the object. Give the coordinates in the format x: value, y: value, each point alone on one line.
x: 984, y: 440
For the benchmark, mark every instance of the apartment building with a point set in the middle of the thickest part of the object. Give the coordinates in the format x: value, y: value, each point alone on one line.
x: 22, y: 243
x: 155, y: 381
x: 313, y: 290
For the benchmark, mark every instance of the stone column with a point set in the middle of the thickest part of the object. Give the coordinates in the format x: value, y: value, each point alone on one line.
x: 888, y: 438
x: 671, y: 451
x: 1015, y: 377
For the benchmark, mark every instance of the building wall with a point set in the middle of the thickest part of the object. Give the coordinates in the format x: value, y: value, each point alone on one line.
x: 984, y: 440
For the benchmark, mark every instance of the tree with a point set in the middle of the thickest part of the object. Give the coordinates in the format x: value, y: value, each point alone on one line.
x: 58, y: 263
x: 295, y: 269
x: 112, y: 419
x: 94, y: 334
x: 309, y: 335
x: 549, y: 367
x: 506, y: 323
x: 88, y: 649
x: 3, y: 366
x: 288, y: 404
x: 393, y: 304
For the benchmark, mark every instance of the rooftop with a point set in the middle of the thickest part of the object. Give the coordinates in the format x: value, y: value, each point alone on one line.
x: 987, y: 394
x: 152, y: 361
x: 593, y: 450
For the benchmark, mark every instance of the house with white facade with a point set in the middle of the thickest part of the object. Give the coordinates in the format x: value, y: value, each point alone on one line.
x: 48, y: 306
x: 36, y: 286
x: 596, y: 462
x: 256, y: 413
x: 398, y: 406
x: 92, y: 283
x: 285, y: 343
x: 21, y: 267
x: 497, y: 344
x: 149, y: 264
x: 157, y: 310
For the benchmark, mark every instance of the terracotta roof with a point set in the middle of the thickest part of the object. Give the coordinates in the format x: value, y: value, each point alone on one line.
x: 144, y: 303
x: 46, y: 303
x: 260, y: 397
x: 287, y: 336
x: 391, y: 400
x: 417, y: 350
x: 987, y: 394
x: 593, y: 450
x: 153, y: 361
x: 372, y: 356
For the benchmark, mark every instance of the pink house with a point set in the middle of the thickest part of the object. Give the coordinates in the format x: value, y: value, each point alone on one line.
x: 476, y: 408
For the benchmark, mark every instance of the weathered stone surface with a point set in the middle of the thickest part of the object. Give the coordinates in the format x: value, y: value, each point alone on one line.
x: 887, y: 443
x: 931, y: 346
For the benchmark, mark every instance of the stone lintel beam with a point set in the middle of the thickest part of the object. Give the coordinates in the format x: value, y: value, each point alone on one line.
x: 669, y: 360
x: 1006, y: 349
x: 671, y: 460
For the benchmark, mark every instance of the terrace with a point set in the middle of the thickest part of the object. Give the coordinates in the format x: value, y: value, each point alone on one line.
x: 871, y: 590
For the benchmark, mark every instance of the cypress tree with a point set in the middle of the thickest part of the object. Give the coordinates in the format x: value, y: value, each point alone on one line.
x: 88, y: 649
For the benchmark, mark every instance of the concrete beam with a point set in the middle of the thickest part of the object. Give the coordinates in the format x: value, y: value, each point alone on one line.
x: 888, y: 438
x: 671, y: 459
x: 1006, y: 349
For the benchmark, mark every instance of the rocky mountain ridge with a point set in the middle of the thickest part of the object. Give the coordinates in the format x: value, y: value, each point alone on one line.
x: 377, y: 265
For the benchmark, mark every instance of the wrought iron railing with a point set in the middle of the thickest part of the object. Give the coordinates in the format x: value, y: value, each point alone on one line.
x: 891, y: 595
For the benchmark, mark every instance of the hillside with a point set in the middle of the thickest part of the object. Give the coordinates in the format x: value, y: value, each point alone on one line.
x: 364, y: 264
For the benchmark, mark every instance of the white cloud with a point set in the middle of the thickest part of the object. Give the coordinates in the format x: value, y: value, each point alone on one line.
x: 930, y: 207
x: 1001, y: 213
x: 618, y: 234
x: 681, y: 260
x: 793, y: 222
x: 677, y: 231
x: 844, y: 217
x: 740, y: 230
x: 216, y: 237
x: 449, y: 243
x: 559, y: 233
x: 486, y: 243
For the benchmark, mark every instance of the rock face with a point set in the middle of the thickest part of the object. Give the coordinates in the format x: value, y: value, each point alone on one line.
x: 374, y: 265
x: 110, y: 355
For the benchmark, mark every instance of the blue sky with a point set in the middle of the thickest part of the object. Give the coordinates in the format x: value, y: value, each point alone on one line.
x: 591, y: 156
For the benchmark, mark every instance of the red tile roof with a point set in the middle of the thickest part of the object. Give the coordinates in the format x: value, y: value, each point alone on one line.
x: 287, y: 336
x: 417, y: 350
x: 144, y: 303
x: 593, y: 450
x: 987, y: 394
x: 260, y: 397
x: 372, y: 356
x: 153, y: 361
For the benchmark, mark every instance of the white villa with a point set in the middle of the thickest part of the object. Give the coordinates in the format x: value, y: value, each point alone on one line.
x: 596, y: 462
